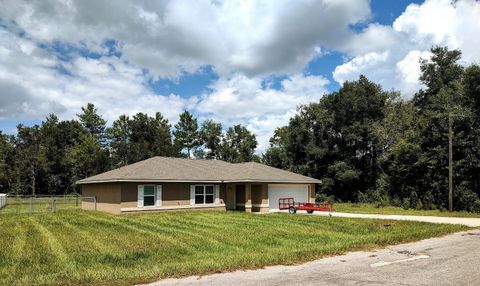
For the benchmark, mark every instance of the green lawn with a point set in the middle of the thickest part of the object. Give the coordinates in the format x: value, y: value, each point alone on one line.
x: 81, y: 247
x: 372, y: 209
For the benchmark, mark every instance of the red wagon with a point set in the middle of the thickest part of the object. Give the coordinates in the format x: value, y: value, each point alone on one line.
x: 292, y: 206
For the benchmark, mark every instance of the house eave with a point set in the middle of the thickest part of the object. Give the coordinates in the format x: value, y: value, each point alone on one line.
x: 145, y: 181
x: 196, y: 181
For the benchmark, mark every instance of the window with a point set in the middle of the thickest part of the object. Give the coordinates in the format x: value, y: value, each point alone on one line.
x: 204, y: 194
x: 149, y: 196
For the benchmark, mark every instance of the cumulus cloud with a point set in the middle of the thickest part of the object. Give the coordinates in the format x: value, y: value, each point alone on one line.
x: 46, y: 47
x: 242, y: 97
x: 16, y: 101
x: 244, y: 41
x: 170, y: 37
x: 264, y: 126
x: 261, y: 108
x: 33, y: 84
x: 390, y: 54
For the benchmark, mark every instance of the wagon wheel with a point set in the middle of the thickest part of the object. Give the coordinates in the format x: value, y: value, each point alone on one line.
x: 292, y: 210
x: 310, y: 211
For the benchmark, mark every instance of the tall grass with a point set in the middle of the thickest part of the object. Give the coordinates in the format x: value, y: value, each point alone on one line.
x: 81, y: 247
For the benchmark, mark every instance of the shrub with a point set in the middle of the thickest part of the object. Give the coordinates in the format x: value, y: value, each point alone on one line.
x: 428, y: 201
x: 465, y: 199
x: 377, y: 197
x: 419, y: 205
x: 414, y: 200
x: 321, y: 197
x: 476, y: 206
x: 396, y: 201
x: 363, y: 198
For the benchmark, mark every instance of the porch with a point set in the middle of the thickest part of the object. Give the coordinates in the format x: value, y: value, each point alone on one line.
x: 248, y: 197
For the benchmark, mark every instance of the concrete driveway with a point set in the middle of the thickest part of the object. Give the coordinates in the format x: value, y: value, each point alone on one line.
x: 472, y: 222
x: 449, y: 260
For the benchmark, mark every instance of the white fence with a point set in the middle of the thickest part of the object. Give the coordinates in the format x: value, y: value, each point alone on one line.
x: 3, y: 200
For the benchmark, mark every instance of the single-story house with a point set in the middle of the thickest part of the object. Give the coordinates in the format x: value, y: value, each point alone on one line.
x: 163, y: 183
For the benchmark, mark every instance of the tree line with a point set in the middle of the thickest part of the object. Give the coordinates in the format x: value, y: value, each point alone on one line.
x: 365, y: 144
x: 50, y: 157
x: 370, y: 145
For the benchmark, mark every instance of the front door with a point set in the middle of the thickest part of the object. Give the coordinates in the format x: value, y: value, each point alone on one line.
x: 240, y: 197
x: 231, y: 197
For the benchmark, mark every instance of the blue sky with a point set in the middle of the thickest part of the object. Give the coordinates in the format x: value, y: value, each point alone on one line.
x: 250, y: 62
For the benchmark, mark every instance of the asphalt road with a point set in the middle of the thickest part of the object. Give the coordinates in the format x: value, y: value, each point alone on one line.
x: 449, y: 260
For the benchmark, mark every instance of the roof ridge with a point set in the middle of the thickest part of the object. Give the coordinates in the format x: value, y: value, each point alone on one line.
x: 175, y: 168
x: 192, y: 159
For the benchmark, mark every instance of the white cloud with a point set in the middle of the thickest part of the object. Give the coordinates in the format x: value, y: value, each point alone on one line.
x: 240, y: 99
x: 444, y: 22
x: 390, y: 55
x: 168, y: 37
x: 352, y: 69
x: 31, y: 85
x: 263, y: 127
x: 407, y: 72
x: 375, y: 38
x: 245, y: 41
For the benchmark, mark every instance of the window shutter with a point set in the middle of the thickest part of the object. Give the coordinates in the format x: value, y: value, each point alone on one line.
x: 217, y: 194
x: 158, y: 198
x: 192, y: 195
x: 140, y: 196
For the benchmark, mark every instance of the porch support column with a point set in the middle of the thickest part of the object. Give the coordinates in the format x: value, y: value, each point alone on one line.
x: 248, y: 197
x: 231, y: 200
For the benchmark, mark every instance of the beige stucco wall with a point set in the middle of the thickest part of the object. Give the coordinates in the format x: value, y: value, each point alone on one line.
x: 108, y: 196
x: 173, y: 194
x: 111, y: 197
x: 259, y: 197
x: 260, y: 194
x: 312, y: 192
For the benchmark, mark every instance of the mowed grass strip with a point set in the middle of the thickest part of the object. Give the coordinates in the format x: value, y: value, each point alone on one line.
x: 390, y: 210
x: 79, y: 247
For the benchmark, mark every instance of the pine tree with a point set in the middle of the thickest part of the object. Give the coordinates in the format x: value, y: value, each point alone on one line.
x: 186, y: 133
x: 93, y: 123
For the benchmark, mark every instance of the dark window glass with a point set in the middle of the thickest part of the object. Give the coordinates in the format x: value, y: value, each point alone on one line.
x: 199, y: 199
x: 199, y: 190
x: 209, y: 189
x: 209, y: 199
x: 204, y: 195
x: 148, y: 190
x: 149, y: 200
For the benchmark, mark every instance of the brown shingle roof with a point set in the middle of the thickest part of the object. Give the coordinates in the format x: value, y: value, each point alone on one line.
x: 165, y: 169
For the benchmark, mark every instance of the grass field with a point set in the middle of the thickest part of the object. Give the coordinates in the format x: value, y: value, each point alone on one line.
x: 81, y: 247
x: 372, y: 209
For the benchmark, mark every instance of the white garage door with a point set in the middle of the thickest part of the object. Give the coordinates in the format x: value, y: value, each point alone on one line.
x: 298, y: 192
